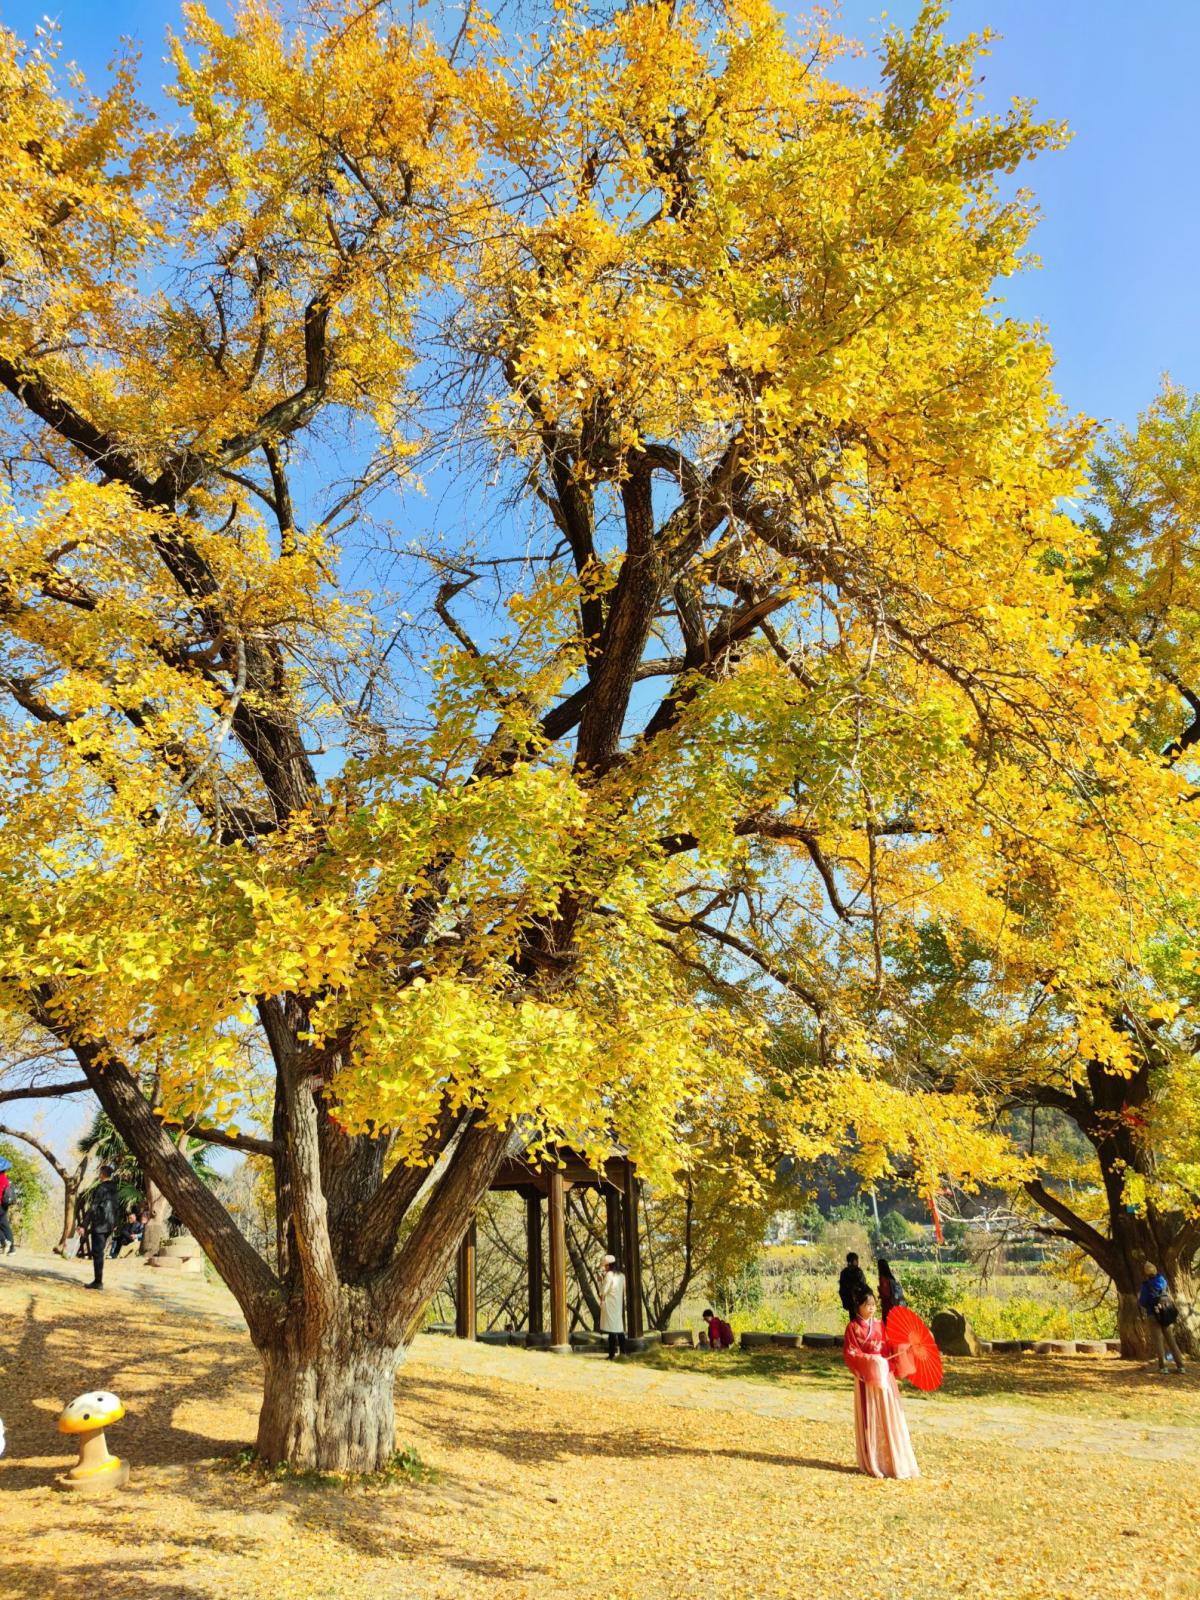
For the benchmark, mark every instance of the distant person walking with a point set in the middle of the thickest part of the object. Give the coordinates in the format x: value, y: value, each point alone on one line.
x: 720, y: 1334
x: 104, y: 1217
x: 852, y: 1284
x: 7, y: 1196
x: 881, y: 1439
x: 890, y: 1291
x: 1155, y: 1300
x: 612, y: 1306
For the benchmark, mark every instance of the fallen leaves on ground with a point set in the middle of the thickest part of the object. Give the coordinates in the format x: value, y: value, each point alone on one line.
x: 540, y: 1491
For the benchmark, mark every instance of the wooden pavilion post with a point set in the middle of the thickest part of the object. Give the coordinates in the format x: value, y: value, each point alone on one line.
x: 632, y: 1261
x: 465, y: 1320
x: 557, y: 1217
x: 533, y: 1252
x: 612, y: 1223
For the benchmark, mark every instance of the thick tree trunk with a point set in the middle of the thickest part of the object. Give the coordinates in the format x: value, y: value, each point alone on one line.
x: 1133, y: 1330
x: 328, y: 1400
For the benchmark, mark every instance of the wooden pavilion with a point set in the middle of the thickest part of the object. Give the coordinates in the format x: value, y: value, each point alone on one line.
x: 549, y: 1180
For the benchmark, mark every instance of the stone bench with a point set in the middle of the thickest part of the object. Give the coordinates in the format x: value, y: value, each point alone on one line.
x: 822, y: 1341
x: 678, y: 1336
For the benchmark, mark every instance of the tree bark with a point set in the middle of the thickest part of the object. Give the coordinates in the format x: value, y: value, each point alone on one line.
x: 72, y: 1183
x: 328, y: 1394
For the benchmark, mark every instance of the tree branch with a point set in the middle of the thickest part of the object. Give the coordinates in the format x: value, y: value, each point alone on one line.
x: 50, y: 1091
x: 257, y: 1289
x: 43, y: 1150
x: 1088, y: 1238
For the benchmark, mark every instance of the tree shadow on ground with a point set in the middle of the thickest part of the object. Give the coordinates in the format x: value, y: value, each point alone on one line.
x: 526, y: 1444
x: 68, y: 1352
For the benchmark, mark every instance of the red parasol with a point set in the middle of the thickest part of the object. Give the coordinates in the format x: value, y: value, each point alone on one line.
x: 905, y: 1327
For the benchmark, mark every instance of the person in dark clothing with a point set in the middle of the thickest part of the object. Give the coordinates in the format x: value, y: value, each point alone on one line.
x: 852, y: 1285
x: 104, y: 1218
x: 890, y: 1292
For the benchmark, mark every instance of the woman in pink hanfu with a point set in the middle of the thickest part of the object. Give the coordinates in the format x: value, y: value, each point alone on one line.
x: 880, y: 1431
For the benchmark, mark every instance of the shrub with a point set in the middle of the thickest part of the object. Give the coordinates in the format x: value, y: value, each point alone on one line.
x: 930, y: 1292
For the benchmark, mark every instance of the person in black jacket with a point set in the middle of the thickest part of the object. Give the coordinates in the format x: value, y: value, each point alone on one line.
x: 105, y: 1215
x: 852, y: 1284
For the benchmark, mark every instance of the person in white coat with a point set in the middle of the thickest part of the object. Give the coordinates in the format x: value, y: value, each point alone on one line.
x: 612, y: 1306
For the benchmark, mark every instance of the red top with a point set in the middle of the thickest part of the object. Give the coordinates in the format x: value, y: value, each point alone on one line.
x: 865, y: 1343
x: 5, y: 1186
x: 720, y: 1334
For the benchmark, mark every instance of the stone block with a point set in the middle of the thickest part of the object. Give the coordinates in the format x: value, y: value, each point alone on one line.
x: 786, y: 1341
x: 822, y: 1341
x: 644, y: 1342
x: 678, y: 1336
x: 954, y: 1334
x: 755, y: 1341
x: 1091, y: 1347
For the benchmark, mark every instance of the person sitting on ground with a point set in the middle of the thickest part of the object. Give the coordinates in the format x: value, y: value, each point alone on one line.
x: 852, y: 1284
x: 1155, y: 1300
x: 720, y: 1334
x: 890, y: 1292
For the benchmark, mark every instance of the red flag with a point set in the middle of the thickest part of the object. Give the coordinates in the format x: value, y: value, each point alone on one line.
x: 937, y: 1220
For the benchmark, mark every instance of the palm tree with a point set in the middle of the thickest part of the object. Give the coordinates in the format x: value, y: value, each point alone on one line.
x: 103, y: 1142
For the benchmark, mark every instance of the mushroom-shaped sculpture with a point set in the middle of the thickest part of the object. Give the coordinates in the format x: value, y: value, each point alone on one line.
x: 96, y: 1472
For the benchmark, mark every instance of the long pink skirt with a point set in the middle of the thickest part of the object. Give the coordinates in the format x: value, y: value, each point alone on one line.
x: 880, y: 1431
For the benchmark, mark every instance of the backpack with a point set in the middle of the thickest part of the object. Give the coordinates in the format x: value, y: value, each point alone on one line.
x: 1164, y: 1310
x: 105, y: 1212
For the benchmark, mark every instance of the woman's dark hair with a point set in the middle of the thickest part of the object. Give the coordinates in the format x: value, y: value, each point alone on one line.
x: 884, y: 1270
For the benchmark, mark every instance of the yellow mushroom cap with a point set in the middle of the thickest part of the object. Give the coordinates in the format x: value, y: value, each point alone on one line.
x: 96, y: 1409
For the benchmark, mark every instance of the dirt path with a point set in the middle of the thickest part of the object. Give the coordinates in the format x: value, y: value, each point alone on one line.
x: 1014, y: 1427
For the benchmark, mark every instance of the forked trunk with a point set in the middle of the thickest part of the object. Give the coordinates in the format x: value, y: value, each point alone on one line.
x: 328, y: 1401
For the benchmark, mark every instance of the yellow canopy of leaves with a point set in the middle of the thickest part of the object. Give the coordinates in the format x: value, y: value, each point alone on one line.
x: 729, y: 331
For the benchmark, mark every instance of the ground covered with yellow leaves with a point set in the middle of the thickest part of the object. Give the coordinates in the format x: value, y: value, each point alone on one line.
x: 571, y: 1478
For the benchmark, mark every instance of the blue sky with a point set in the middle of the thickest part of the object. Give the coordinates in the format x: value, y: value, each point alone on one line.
x: 1121, y: 225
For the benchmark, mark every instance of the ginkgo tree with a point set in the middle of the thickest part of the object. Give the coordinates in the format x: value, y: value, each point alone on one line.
x: 765, y: 598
